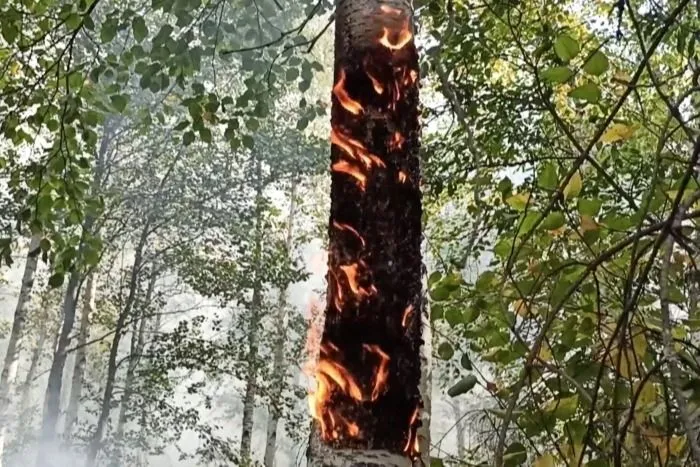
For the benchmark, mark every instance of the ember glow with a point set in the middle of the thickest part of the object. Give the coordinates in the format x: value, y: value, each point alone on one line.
x: 367, y: 373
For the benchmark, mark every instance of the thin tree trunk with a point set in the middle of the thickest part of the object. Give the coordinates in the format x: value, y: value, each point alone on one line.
x: 24, y: 425
x: 76, y: 386
x: 137, y: 344
x: 278, y: 364
x: 96, y: 439
x: 52, y: 400
x: 459, y: 428
x: 375, y: 307
x: 255, y: 312
x: 8, y: 377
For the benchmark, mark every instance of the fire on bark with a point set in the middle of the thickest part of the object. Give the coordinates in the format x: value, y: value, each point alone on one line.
x: 367, y: 402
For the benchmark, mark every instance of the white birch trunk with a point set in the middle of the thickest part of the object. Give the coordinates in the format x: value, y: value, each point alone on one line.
x: 8, y: 378
x: 76, y: 386
x: 279, y: 367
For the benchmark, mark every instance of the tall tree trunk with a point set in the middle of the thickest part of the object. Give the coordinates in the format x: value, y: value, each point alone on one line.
x: 52, y: 399
x: 459, y: 428
x: 24, y: 418
x: 76, y: 386
x: 8, y: 377
x: 255, y: 312
x: 96, y: 439
x: 138, y: 335
x: 373, y: 330
x: 279, y: 367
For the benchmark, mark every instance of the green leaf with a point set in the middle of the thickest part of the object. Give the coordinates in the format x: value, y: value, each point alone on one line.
x: 588, y: 92
x: 597, y: 64
x: 188, y: 138
x: 466, y: 362
x: 45, y: 244
x: 557, y: 74
x: 566, y: 47
x: 564, y: 408
x: 518, y: 202
x: 302, y: 123
x: 56, y: 280
x: 440, y: 293
x: 463, y: 386
x: 445, y: 351
x: 292, y: 74
x: 119, y: 102
x: 73, y: 21
x: 436, y: 462
x: 248, y: 141
x: 515, y: 455
x: 574, y: 186
x: 553, y: 221
x: 205, y: 134
x: 108, y: 31
x: 589, y: 207
x: 434, y: 277
x: 138, y: 26
x: 548, y: 177
x: 453, y: 316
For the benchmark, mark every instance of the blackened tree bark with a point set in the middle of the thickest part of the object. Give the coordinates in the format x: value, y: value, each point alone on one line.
x: 375, y: 308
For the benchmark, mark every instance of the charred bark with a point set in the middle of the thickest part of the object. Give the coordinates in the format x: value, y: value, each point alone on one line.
x: 375, y: 306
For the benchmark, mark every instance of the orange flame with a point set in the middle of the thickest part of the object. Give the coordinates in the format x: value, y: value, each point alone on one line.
x: 401, y: 37
x: 381, y: 375
x: 348, y: 103
x: 412, y: 448
x: 390, y: 10
x: 406, y: 313
x: 341, y: 377
x: 331, y: 374
x: 350, y: 229
x: 338, y: 298
x: 378, y: 87
x: 355, y: 149
x: 396, y: 141
x: 352, y: 170
x: 351, y: 271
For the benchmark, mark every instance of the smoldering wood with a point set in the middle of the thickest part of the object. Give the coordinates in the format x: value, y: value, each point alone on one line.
x: 387, y: 216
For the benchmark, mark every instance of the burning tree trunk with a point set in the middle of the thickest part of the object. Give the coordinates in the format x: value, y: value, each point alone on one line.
x: 367, y: 403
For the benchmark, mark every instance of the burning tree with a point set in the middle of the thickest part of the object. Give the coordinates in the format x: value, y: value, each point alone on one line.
x: 367, y: 403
